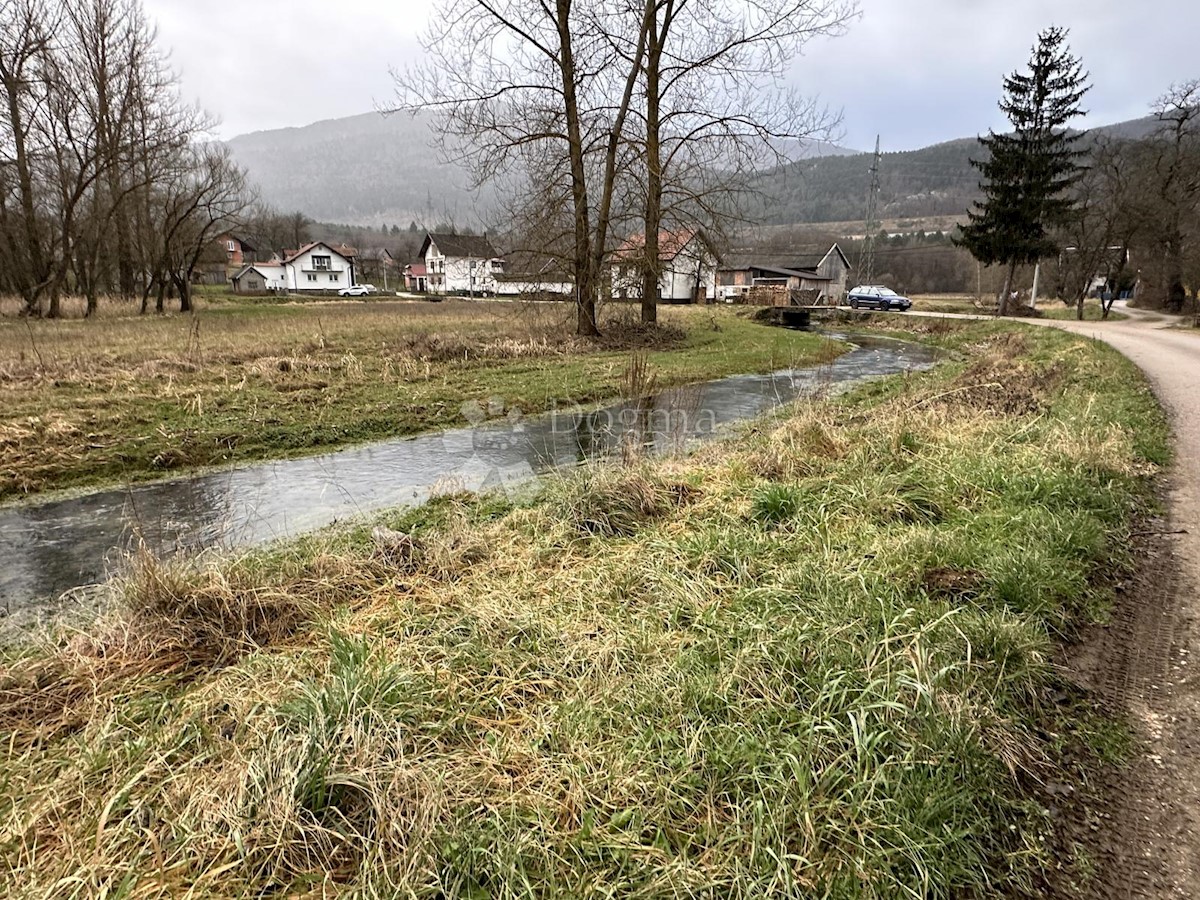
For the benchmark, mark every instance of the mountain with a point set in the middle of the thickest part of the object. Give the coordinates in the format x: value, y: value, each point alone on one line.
x: 363, y: 170
x: 931, y: 182
x: 373, y: 170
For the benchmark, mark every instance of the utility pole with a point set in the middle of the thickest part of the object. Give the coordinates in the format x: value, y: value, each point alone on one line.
x: 866, y: 262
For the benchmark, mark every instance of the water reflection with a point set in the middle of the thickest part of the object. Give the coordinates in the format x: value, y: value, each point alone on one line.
x: 50, y: 548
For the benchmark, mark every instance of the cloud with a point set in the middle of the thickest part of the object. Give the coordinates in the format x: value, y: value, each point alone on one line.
x: 916, y: 71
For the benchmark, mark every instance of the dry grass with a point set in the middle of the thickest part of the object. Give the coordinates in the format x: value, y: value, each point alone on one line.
x: 126, y: 398
x: 809, y: 661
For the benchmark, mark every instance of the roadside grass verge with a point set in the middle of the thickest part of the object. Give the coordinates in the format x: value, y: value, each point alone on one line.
x: 1091, y: 312
x: 812, y: 660
x: 128, y: 399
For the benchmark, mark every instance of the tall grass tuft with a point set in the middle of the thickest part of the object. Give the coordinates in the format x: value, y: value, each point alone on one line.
x: 813, y: 660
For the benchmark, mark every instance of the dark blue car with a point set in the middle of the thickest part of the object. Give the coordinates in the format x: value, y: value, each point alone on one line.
x: 874, y: 296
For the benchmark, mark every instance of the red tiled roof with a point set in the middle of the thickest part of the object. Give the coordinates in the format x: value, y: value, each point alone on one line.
x: 290, y: 255
x: 670, y: 244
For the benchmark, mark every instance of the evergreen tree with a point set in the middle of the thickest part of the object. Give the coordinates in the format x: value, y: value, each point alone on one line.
x: 1027, y: 174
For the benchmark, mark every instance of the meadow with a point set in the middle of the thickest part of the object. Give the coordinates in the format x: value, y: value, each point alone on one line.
x: 127, y: 398
x: 811, y: 660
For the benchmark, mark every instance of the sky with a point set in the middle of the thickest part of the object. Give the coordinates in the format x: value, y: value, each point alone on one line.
x: 915, y: 72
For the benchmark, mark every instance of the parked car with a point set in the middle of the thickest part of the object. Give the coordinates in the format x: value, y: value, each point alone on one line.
x: 359, y: 290
x: 875, y: 296
x: 371, y: 289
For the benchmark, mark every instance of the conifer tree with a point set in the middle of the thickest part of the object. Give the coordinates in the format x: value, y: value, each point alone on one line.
x: 1027, y: 174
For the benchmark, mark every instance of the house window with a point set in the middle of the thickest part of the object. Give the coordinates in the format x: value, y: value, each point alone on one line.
x: 312, y: 277
x: 335, y: 276
x: 232, y: 245
x: 321, y: 263
x: 254, y: 284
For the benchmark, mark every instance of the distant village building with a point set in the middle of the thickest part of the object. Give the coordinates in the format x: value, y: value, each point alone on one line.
x: 317, y: 267
x: 376, y: 265
x: 416, y: 279
x: 537, y: 274
x: 460, y: 264
x: 687, y: 267
x: 225, y: 257
x: 823, y: 278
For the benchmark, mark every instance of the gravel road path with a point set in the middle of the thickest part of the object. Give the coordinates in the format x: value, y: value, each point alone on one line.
x: 1153, y: 640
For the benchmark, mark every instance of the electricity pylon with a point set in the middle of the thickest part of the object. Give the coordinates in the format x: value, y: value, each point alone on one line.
x: 866, y: 262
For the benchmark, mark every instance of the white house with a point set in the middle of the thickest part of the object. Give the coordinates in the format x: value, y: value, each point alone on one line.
x: 460, y: 264
x: 259, y: 278
x: 314, y: 267
x: 688, y: 266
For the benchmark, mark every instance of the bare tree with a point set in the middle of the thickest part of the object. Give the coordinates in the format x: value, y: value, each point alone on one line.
x: 1110, y: 216
x: 550, y: 87
x: 712, y: 113
x: 1174, y: 160
x: 25, y: 28
x: 206, y: 195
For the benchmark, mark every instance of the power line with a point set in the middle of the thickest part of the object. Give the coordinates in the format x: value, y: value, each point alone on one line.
x: 866, y: 262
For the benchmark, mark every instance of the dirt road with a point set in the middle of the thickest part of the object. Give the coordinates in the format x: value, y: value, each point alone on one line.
x: 1144, y: 660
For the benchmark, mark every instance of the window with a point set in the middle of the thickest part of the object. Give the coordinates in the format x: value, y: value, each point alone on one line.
x: 335, y: 276
x: 321, y: 263
x: 312, y: 277
x: 232, y: 245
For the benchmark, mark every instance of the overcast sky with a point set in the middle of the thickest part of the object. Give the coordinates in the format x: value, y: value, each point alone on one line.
x: 915, y: 71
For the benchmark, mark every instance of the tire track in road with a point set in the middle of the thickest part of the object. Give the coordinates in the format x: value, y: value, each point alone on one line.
x: 1143, y: 660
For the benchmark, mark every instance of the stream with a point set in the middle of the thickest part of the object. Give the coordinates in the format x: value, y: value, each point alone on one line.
x: 52, y: 548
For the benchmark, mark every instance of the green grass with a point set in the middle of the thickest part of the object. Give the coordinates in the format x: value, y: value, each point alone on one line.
x: 129, y: 399
x: 1091, y: 312
x: 813, y: 660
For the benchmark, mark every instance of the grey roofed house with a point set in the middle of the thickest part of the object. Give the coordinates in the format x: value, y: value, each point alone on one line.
x: 460, y: 246
x: 460, y: 263
x: 814, y: 262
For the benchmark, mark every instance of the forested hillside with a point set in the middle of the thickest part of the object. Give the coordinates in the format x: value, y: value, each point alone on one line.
x: 364, y: 170
x: 934, y: 181
x: 374, y: 171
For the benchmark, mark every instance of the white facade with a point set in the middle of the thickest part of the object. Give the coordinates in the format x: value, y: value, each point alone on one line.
x: 262, y: 277
x: 318, y: 268
x: 455, y: 274
x: 509, y: 288
x: 688, y: 277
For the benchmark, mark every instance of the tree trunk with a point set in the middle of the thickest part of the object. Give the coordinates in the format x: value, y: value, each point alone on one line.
x: 586, y: 286
x: 184, y: 286
x: 1007, y: 289
x: 32, y: 278
x: 652, y: 263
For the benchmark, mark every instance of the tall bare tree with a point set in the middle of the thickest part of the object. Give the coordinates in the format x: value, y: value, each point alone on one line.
x: 713, y: 113
x: 1174, y: 159
x: 25, y: 42
x: 551, y: 87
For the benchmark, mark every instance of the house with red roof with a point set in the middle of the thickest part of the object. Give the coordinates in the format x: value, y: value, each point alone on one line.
x: 687, y: 267
x: 316, y: 267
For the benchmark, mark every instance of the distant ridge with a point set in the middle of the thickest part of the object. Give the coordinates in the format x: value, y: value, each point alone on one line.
x: 368, y: 169
x: 374, y: 170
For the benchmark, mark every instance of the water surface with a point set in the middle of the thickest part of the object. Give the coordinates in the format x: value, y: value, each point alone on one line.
x: 49, y: 548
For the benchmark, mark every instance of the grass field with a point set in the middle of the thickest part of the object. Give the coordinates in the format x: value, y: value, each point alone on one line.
x: 1049, y: 309
x: 813, y: 660
x: 126, y: 398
